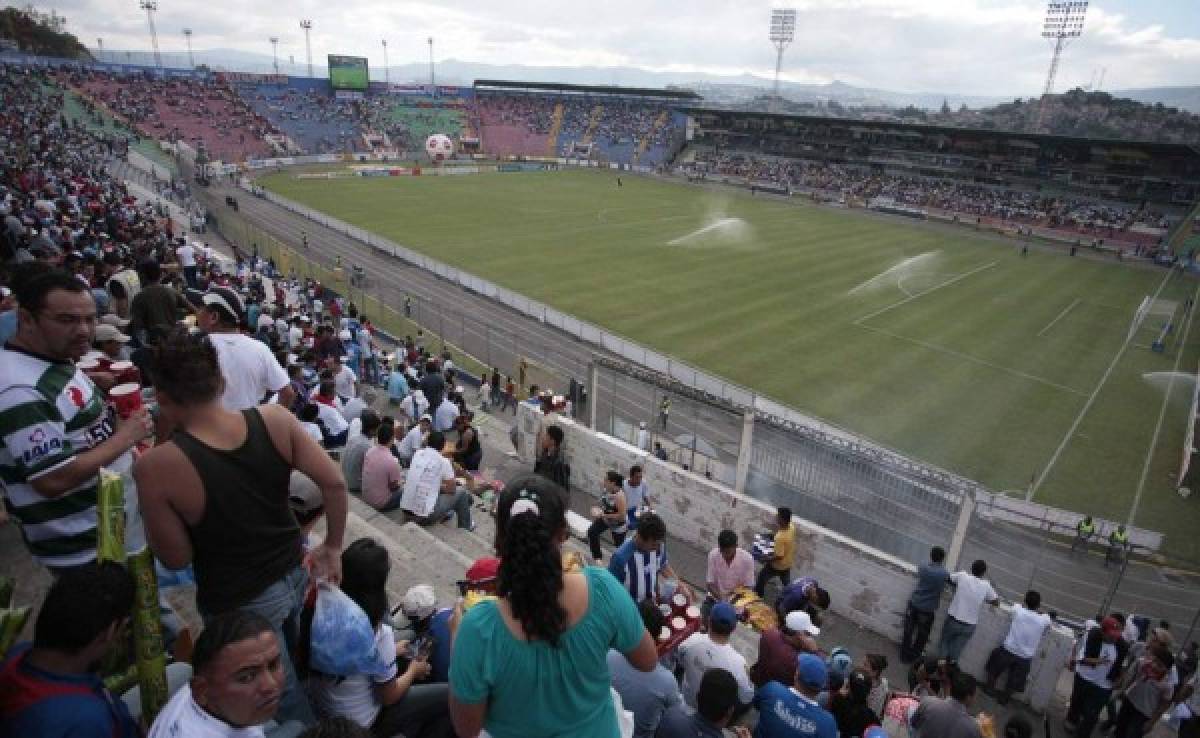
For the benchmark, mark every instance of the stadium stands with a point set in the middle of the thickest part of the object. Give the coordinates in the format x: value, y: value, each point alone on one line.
x: 202, y: 113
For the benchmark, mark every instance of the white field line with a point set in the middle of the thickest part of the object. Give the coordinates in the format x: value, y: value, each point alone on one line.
x: 973, y: 359
x: 900, y: 284
x: 1091, y: 400
x: 1060, y: 317
x: 907, y: 300
x: 1162, y: 414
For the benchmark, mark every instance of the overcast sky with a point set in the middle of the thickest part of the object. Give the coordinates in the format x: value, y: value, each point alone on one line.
x: 964, y: 46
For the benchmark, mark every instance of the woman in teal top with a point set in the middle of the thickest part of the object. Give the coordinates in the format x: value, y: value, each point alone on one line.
x: 532, y: 664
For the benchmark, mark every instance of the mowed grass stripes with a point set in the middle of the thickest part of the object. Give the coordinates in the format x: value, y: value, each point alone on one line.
x: 958, y: 360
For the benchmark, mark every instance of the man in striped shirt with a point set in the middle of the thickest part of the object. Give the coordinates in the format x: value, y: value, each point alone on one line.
x: 56, y: 432
x: 638, y: 562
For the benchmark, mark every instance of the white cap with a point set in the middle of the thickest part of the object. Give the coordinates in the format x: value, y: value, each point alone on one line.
x: 419, y: 601
x: 799, y: 621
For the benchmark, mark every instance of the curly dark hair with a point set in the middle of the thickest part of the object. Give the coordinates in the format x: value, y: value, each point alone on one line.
x: 184, y: 366
x: 530, y: 576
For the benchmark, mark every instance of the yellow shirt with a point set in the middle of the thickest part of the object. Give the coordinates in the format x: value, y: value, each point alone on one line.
x: 785, y: 548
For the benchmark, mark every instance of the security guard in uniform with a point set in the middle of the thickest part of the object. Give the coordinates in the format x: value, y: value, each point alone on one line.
x: 1084, y: 530
x: 1118, y: 545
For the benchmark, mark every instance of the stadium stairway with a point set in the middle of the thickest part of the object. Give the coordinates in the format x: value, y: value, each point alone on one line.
x: 644, y: 144
x: 597, y: 113
x: 555, y: 127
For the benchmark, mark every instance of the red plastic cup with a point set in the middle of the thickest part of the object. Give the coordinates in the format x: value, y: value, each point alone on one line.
x: 127, y: 398
x: 125, y: 372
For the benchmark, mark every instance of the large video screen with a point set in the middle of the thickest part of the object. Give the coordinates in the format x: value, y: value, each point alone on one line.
x: 348, y: 72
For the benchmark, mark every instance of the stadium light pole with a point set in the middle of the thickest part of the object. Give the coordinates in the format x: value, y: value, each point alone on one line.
x: 275, y: 52
x: 150, y: 6
x: 1063, y: 24
x: 306, y: 24
x: 432, y: 82
x: 781, y: 35
x: 187, y: 35
x: 386, y: 80
x: 100, y: 48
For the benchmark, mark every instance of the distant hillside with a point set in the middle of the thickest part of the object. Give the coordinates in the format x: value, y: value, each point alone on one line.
x: 40, y: 33
x: 1086, y: 114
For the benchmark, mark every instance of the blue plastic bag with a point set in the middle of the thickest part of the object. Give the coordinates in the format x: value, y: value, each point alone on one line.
x: 343, y: 643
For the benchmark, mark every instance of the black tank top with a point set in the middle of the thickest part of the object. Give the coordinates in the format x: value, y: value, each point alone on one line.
x: 248, y: 537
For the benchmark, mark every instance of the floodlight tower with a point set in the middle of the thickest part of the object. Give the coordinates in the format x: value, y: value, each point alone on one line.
x: 386, y: 81
x: 275, y: 52
x: 306, y: 24
x: 782, y: 33
x: 432, y: 82
x: 1063, y: 24
x: 100, y: 48
x: 187, y: 35
x: 151, y: 6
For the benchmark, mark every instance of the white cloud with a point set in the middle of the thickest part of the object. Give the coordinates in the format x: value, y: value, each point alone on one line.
x: 967, y: 46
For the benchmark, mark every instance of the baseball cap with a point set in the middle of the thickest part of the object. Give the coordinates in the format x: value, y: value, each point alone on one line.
x: 723, y: 613
x: 419, y: 601
x: 304, y: 496
x: 799, y: 621
x: 227, y: 301
x: 106, y: 332
x: 811, y: 671
x: 484, y: 569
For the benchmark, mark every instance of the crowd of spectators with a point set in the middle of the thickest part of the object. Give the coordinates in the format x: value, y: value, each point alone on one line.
x: 199, y: 112
x: 266, y: 415
x: 965, y: 198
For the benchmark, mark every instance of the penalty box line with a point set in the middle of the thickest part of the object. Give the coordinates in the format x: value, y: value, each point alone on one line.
x: 922, y: 293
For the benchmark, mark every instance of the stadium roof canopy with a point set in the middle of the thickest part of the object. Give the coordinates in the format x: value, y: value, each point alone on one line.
x: 1015, y: 138
x: 512, y: 86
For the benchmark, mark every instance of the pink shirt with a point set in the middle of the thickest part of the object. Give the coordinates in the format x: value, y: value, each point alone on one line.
x: 380, y: 469
x: 728, y: 577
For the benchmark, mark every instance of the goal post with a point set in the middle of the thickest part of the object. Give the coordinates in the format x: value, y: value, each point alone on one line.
x: 1153, y: 323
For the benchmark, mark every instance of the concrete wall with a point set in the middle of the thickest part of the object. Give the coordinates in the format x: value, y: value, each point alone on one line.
x: 867, y: 587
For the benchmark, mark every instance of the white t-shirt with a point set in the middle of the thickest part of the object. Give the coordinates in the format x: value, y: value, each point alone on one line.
x: 314, y: 431
x: 414, y: 404
x: 413, y: 440
x: 1026, y: 631
x: 444, y: 417
x: 294, y: 336
x: 635, y: 497
x: 1098, y: 674
x: 355, y: 697
x: 187, y: 255
x: 697, y: 654
x: 334, y: 421
x: 423, y: 483
x: 353, y: 409
x: 969, y: 596
x: 249, y: 368
x: 181, y: 717
x: 343, y: 383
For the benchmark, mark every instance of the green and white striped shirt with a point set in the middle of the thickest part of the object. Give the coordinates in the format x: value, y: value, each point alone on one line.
x: 49, y: 412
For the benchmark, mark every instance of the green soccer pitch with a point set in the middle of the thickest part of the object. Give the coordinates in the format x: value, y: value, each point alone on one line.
x: 945, y: 345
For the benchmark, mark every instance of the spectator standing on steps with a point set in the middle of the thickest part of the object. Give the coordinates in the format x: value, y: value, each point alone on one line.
x: 216, y: 496
x: 784, y: 551
x: 664, y: 412
x: 922, y: 605
x: 637, y: 495
x: 729, y: 567
x: 1015, y: 655
x: 250, y: 371
x: 1099, y: 660
x: 971, y: 592
x: 608, y: 515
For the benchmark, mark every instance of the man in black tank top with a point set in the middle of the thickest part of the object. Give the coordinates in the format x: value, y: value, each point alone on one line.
x: 216, y: 497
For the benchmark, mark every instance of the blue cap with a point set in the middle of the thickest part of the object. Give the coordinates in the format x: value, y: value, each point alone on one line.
x: 722, y: 613
x: 875, y: 731
x: 811, y: 671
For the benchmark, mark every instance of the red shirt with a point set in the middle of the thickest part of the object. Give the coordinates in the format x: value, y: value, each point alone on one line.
x: 776, y: 660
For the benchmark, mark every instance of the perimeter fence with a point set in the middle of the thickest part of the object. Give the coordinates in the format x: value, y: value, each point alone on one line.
x: 847, y: 484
